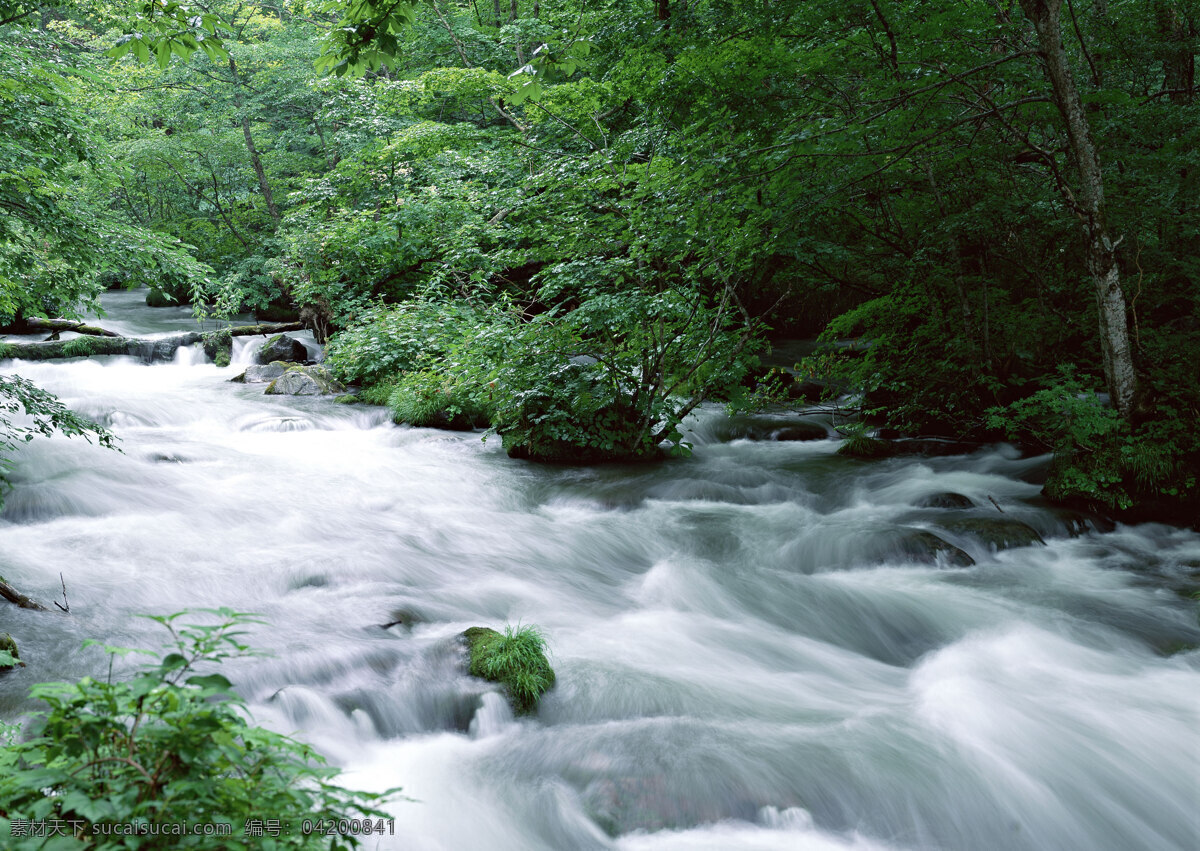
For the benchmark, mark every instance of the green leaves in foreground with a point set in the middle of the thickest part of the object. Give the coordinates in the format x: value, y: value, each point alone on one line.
x: 169, y: 746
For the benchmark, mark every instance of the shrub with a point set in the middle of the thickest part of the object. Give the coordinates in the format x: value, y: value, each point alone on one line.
x: 169, y: 746
x: 426, y: 398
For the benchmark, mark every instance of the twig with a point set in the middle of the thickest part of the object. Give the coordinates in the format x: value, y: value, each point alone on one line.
x: 66, y: 605
x: 993, y: 499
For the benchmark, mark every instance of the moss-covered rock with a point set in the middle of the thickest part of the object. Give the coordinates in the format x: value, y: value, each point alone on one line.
x: 281, y: 347
x: 9, y: 657
x: 947, y: 499
x: 1000, y: 533
x: 516, y: 659
x: 305, y: 381
x: 218, y: 346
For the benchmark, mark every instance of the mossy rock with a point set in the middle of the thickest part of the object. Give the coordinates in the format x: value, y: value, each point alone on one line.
x: 922, y: 547
x: 218, y: 345
x: 281, y: 347
x: 305, y: 381
x: 9, y: 646
x: 947, y: 499
x: 349, y: 399
x: 1000, y: 533
x: 516, y: 659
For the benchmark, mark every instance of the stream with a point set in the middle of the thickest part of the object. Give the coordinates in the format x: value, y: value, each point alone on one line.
x: 751, y: 651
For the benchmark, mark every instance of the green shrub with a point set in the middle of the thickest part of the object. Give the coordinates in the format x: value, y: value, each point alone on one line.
x: 169, y: 746
x: 516, y: 659
x: 428, y: 399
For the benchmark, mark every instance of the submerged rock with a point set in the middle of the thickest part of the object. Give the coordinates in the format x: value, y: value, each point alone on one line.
x: 925, y: 547
x: 1000, y: 533
x: 281, y: 347
x: 746, y: 428
x: 305, y: 381
x: 947, y: 499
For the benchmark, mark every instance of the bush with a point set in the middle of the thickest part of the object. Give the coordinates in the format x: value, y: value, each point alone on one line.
x: 169, y: 746
x: 516, y: 659
x: 428, y: 399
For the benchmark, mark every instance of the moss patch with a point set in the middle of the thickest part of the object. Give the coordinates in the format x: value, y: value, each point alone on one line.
x: 9, y: 657
x: 516, y: 659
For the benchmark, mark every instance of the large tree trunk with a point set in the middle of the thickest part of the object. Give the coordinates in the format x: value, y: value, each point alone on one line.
x: 1179, y: 63
x: 1088, y: 202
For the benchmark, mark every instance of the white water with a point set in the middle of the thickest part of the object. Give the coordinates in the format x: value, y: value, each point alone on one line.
x: 741, y: 663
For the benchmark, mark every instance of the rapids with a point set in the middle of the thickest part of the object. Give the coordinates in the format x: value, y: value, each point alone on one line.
x: 744, y: 660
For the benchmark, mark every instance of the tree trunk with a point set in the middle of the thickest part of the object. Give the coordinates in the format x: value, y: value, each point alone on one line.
x: 255, y: 159
x: 1179, y: 63
x: 1088, y: 203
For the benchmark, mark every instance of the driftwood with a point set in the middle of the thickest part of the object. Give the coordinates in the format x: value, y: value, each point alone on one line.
x: 18, y: 599
x: 148, y: 350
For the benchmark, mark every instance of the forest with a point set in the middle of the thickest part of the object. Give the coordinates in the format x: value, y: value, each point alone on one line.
x: 572, y: 222
x: 571, y: 227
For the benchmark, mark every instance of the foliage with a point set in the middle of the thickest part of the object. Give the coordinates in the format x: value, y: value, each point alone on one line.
x: 430, y: 399
x: 171, y: 745
x: 516, y: 659
x: 27, y: 411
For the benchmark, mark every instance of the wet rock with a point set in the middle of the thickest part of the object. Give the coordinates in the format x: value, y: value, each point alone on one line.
x: 261, y: 373
x: 740, y: 428
x: 404, y: 618
x: 932, y: 447
x: 927, y: 548
x: 305, y: 381
x: 9, y: 646
x: 281, y: 347
x: 1000, y: 533
x: 947, y: 499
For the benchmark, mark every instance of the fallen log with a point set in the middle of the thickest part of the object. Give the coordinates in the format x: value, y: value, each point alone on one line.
x: 33, y: 326
x: 18, y: 599
x: 148, y: 350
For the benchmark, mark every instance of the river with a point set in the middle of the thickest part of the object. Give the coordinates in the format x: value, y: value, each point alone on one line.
x: 748, y: 655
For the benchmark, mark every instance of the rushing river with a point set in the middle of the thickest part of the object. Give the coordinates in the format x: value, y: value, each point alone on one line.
x: 748, y: 654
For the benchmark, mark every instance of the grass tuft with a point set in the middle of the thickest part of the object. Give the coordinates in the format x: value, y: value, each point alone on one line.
x: 516, y: 659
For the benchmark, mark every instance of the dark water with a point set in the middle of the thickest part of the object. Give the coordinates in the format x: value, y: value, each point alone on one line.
x: 751, y: 651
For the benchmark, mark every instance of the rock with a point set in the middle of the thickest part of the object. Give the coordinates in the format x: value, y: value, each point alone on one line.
x: 349, y: 399
x: 515, y: 659
x: 261, y: 373
x: 746, y: 428
x: 946, y: 499
x: 9, y: 646
x: 281, y: 347
x: 1000, y: 533
x: 801, y: 431
x: 305, y: 381
x: 925, y: 547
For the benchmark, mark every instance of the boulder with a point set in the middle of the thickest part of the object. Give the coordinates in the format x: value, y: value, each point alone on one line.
x: 281, y: 347
x: 515, y: 659
x: 261, y: 373
x: 7, y: 645
x: 946, y: 499
x: 1000, y: 533
x: 750, y: 428
x: 927, y: 548
x: 305, y: 381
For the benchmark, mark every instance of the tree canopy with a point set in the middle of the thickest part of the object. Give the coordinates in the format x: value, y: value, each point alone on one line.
x: 575, y: 221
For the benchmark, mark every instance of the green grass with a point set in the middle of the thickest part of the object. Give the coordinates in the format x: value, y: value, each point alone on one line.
x: 516, y: 659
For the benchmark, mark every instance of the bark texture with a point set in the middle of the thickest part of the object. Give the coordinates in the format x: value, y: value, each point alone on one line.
x: 1088, y: 203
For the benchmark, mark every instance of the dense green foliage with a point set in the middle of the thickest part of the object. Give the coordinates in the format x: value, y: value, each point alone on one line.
x: 575, y: 221
x: 169, y: 746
